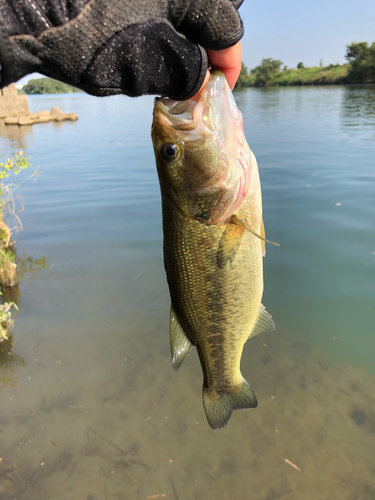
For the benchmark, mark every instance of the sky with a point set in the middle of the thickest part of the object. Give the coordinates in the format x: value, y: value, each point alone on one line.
x: 302, y: 31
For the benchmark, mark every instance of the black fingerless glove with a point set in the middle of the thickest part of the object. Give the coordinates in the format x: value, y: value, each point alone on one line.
x: 108, y: 47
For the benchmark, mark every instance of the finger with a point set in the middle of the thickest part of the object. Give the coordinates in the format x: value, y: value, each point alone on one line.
x: 198, y: 94
x: 228, y: 61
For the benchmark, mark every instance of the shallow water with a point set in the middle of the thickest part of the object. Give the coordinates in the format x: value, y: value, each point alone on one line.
x: 90, y: 406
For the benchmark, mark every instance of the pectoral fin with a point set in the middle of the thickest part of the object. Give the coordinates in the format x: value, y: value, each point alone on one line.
x: 244, y: 224
x: 264, y: 322
x: 229, y: 244
x: 180, y: 344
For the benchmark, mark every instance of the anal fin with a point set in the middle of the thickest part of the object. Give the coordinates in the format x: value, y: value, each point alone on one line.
x: 264, y: 322
x: 180, y: 344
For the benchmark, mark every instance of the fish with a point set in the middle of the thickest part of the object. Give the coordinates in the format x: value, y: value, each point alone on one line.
x: 214, y: 240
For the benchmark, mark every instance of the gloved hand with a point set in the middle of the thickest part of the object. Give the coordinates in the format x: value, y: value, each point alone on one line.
x: 108, y: 47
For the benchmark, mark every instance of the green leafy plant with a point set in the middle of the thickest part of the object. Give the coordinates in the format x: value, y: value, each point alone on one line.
x: 6, y: 321
x: 8, y: 196
x: 361, y: 57
x: 266, y: 72
x: 243, y: 79
x: 6, y: 256
x: 13, y: 166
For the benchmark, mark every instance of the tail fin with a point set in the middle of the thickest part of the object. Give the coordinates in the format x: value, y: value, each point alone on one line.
x: 219, y: 407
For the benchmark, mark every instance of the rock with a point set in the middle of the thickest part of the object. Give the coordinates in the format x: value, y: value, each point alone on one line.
x: 10, y: 90
x: 56, y: 111
x: 25, y: 120
x: 68, y: 116
x: 11, y: 120
x: 8, y: 276
x: 359, y: 417
x: 12, y: 104
x: 43, y: 118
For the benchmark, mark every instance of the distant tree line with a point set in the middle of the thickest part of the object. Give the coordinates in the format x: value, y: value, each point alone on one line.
x: 359, y: 69
x: 47, y: 86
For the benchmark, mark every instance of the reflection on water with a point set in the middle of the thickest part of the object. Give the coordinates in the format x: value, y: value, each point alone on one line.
x: 29, y: 267
x: 9, y: 364
x: 93, y: 408
x: 26, y: 266
x: 359, y: 108
x: 18, y: 137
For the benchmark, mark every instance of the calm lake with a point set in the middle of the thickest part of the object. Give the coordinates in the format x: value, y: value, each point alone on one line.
x: 90, y: 407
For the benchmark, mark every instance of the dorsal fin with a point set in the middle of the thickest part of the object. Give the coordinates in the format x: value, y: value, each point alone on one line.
x: 180, y: 344
x: 264, y: 322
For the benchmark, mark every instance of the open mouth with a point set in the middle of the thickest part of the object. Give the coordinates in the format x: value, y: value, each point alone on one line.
x: 190, y: 120
x: 178, y: 115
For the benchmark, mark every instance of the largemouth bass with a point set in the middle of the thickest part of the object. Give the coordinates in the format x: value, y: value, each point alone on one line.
x: 214, y: 240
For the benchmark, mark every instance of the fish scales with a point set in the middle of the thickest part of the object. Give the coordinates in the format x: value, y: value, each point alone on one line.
x: 213, y: 263
x: 215, y: 306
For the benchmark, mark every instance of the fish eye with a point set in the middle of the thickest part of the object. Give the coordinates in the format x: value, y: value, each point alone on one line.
x: 170, y: 151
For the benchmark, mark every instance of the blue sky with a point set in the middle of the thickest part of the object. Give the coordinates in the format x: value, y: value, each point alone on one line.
x: 302, y: 31
x: 305, y: 31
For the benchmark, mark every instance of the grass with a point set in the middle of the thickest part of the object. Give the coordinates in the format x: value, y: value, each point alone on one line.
x: 330, y: 75
x: 6, y: 256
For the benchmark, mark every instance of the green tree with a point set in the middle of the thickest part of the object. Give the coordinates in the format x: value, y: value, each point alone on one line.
x: 47, y: 86
x: 300, y: 65
x: 361, y: 56
x: 357, y: 51
x: 266, y: 72
x: 243, y: 78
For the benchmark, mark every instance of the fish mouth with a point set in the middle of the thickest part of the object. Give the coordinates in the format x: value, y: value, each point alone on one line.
x: 181, y: 118
x: 191, y: 120
x: 178, y: 115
